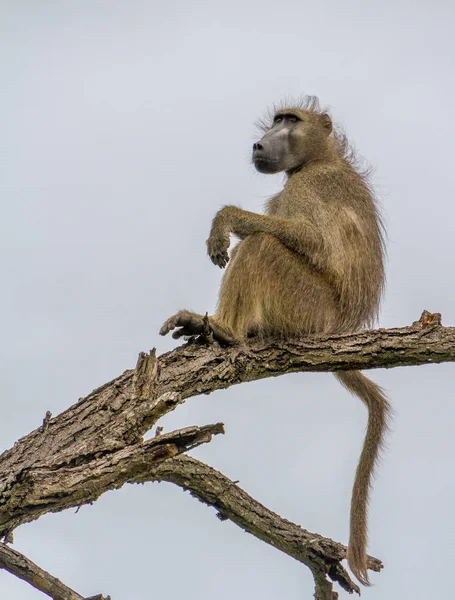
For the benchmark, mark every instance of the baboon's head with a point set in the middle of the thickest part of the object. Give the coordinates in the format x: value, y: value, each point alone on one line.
x: 295, y: 137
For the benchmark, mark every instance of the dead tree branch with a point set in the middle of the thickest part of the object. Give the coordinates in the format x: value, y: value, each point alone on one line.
x: 322, y: 555
x: 97, y: 444
x: 54, y: 485
x: 16, y: 563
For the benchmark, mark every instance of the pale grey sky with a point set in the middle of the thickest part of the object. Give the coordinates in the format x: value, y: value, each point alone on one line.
x: 125, y: 126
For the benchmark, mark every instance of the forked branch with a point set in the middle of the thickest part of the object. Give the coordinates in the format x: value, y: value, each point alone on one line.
x: 97, y: 444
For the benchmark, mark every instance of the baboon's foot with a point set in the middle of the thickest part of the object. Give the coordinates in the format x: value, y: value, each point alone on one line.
x: 187, y: 324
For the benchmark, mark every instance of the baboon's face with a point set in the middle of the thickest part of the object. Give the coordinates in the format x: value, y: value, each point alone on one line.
x: 293, y: 139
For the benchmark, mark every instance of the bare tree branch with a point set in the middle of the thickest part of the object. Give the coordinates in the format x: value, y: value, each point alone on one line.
x: 53, y: 486
x: 97, y: 444
x: 19, y: 565
x: 322, y: 555
x: 191, y: 370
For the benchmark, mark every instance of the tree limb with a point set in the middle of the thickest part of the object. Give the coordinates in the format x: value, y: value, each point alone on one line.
x: 322, y: 555
x: 54, y: 485
x: 191, y: 370
x: 97, y: 444
x: 16, y: 563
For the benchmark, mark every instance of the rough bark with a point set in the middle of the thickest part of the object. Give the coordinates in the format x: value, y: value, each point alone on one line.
x: 97, y: 444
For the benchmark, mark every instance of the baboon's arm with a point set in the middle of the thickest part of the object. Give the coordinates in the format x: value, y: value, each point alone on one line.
x: 296, y: 234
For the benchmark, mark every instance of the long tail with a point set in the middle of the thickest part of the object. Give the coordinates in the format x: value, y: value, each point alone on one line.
x: 378, y: 412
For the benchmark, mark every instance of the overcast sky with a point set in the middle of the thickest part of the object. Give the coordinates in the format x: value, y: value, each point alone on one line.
x: 124, y: 127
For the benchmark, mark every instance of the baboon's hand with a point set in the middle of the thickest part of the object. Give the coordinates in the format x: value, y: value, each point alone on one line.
x: 217, y: 247
x: 185, y: 323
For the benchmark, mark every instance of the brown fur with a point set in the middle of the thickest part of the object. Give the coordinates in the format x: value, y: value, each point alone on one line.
x: 312, y: 264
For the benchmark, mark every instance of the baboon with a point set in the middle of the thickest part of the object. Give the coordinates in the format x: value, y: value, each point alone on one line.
x: 313, y: 263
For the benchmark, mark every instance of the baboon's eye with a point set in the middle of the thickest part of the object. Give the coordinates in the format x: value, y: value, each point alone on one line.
x: 278, y: 119
x: 293, y: 118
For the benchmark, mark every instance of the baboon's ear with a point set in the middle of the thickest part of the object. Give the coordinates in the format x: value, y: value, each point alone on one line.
x: 326, y: 122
